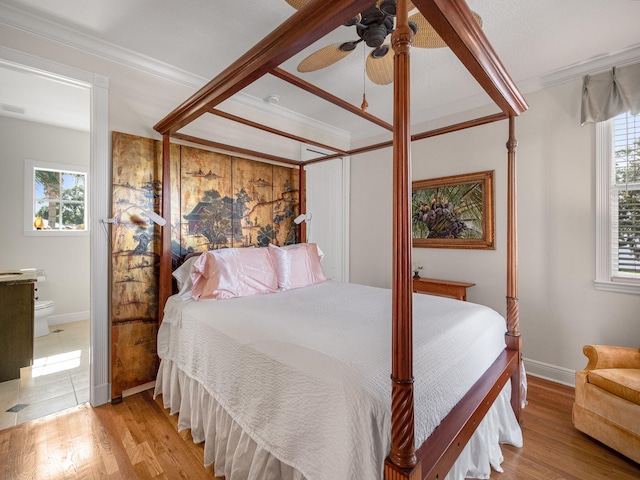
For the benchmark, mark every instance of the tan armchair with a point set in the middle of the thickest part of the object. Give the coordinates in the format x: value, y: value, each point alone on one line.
x: 607, y: 405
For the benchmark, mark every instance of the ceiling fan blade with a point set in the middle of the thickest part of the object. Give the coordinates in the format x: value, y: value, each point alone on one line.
x: 380, y: 70
x: 322, y: 58
x: 426, y: 37
x: 297, y: 4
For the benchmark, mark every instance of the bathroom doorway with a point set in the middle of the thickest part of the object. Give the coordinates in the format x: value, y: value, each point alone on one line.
x: 75, y: 354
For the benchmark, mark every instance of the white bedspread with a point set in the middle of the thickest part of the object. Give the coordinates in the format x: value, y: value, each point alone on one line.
x: 305, y: 372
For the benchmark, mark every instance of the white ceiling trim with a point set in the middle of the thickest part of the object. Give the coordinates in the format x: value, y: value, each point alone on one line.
x: 631, y: 55
x: 86, y: 43
x: 71, y: 38
x: 32, y: 24
x: 291, y: 116
x: 47, y: 68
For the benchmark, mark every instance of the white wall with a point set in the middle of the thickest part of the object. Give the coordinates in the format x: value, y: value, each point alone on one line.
x: 65, y: 259
x: 559, y: 308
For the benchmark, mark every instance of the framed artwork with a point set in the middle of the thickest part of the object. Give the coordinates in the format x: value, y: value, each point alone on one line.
x: 454, y: 212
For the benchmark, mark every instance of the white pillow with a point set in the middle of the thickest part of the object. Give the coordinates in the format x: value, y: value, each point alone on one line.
x: 297, y: 265
x: 182, y: 274
x: 298, y: 245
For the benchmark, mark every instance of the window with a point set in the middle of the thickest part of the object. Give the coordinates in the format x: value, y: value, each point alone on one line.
x: 618, y: 204
x: 55, y: 199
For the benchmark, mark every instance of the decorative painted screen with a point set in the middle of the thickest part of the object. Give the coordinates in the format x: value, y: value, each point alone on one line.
x: 218, y: 201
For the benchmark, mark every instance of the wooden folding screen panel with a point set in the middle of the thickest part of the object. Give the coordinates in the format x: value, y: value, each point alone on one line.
x: 218, y: 201
x: 135, y: 255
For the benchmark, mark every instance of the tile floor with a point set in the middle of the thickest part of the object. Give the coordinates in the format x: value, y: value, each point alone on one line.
x: 58, y: 379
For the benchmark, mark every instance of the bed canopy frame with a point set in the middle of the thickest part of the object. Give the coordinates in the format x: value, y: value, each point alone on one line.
x: 455, y: 24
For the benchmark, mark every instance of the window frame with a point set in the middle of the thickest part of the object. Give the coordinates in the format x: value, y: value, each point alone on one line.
x: 606, y: 276
x: 30, y: 167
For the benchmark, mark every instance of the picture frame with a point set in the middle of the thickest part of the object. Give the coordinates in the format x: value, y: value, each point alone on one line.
x: 454, y: 212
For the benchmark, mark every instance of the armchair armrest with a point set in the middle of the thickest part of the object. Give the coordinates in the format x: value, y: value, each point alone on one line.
x: 606, y: 356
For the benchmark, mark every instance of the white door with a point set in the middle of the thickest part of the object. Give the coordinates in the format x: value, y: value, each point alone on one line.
x: 328, y: 204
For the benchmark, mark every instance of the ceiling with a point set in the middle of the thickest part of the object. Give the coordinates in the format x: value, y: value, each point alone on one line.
x: 539, y: 42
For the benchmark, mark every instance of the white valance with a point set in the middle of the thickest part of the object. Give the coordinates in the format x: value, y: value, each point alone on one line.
x: 610, y: 93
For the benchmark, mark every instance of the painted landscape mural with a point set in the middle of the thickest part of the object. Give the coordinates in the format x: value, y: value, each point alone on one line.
x: 228, y: 201
x: 218, y: 201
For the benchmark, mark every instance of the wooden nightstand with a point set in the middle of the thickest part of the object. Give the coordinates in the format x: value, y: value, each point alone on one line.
x: 443, y: 288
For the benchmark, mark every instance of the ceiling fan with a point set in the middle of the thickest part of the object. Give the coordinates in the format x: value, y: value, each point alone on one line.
x: 373, y: 27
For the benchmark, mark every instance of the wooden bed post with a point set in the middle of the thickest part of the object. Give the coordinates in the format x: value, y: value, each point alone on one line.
x: 302, y: 201
x: 402, y: 462
x: 165, y: 282
x: 455, y: 24
x: 513, y: 338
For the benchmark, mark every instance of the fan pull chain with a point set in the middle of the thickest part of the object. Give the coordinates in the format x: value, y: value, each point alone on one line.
x: 365, y: 104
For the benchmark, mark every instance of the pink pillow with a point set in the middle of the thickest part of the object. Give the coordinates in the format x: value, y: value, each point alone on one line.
x: 233, y: 272
x: 297, y: 265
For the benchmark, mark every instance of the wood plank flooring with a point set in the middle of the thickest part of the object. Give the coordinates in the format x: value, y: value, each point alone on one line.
x: 138, y: 439
x: 554, y: 449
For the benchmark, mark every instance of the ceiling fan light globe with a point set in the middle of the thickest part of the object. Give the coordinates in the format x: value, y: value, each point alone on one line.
x: 354, y: 21
x: 348, y: 46
x: 372, y: 16
x: 375, y: 35
x: 388, y: 7
x: 380, y: 52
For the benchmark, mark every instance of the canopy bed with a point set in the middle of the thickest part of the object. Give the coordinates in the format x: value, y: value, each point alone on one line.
x: 455, y: 24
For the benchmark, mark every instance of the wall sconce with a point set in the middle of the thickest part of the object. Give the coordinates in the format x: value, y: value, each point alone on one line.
x: 303, y: 217
x: 135, y: 218
x: 155, y: 217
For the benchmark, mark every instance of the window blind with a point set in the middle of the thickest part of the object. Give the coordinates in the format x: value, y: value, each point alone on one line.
x: 625, y: 196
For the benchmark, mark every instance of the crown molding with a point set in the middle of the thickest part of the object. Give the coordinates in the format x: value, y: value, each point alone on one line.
x: 594, y: 65
x: 289, y: 115
x: 16, y: 59
x: 34, y: 25
x: 51, y: 31
x: 572, y: 72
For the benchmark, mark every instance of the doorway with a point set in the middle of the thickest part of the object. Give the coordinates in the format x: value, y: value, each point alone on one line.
x: 98, y: 192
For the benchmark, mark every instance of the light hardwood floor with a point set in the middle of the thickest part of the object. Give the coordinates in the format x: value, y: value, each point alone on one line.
x: 138, y: 439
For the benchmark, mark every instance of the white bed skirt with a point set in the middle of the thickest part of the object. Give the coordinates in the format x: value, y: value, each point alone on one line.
x: 237, y: 457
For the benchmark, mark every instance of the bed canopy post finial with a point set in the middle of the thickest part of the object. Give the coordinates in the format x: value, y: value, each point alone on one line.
x: 165, y: 283
x: 402, y: 462
x: 513, y: 338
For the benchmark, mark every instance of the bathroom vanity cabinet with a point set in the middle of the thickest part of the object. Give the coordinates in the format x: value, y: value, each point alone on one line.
x: 16, y: 323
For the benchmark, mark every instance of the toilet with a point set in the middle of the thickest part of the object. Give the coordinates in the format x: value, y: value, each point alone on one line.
x: 42, y: 310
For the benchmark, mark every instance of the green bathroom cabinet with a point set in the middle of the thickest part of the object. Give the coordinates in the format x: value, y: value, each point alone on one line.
x: 16, y: 328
